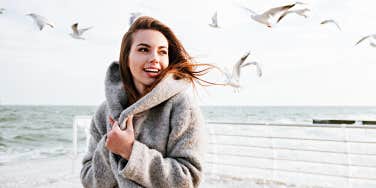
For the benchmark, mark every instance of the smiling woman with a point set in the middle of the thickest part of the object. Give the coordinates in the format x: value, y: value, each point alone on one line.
x: 149, y: 131
x: 156, y: 51
x: 148, y: 57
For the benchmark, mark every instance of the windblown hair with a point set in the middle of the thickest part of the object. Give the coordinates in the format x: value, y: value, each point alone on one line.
x: 181, y: 64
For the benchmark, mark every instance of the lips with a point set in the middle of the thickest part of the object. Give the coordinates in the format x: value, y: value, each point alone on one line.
x: 152, y: 71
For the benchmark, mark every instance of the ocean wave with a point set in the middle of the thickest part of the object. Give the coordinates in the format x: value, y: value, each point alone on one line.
x: 7, y: 119
x: 30, y: 137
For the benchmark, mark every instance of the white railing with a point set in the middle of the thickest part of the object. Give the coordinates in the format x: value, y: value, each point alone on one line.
x: 82, y: 122
x: 309, y: 155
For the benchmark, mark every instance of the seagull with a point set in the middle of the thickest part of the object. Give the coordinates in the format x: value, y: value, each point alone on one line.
x: 331, y: 21
x: 77, y: 33
x: 373, y: 36
x: 214, y: 22
x: 232, y: 79
x: 300, y: 12
x: 40, y: 20
x: 2, y: 10
x: 134, y: 16
x: 265, y: 16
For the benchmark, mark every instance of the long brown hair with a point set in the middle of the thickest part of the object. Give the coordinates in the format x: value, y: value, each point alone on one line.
x: 181, y: 64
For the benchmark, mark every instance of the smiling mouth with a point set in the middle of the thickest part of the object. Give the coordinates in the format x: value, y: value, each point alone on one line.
x: 151, y: 70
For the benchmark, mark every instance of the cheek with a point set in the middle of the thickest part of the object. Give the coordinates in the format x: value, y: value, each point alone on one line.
x: 165, y: 63
x: 134, y: 64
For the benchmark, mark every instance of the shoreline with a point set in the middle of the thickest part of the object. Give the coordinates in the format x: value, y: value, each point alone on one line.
x: 49, y: 172
x: 63, y: 171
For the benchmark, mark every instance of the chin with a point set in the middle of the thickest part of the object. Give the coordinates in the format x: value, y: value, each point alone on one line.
x: 149, y: 81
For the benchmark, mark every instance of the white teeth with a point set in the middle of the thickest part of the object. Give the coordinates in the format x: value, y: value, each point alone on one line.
x: 151, y: 70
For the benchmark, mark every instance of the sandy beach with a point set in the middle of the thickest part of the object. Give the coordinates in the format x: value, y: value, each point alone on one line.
x: 64, y: 172
x: 51, y: 172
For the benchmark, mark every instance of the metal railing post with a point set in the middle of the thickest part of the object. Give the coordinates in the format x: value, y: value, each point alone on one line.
x: 347, y: 153
x: 74, y: 139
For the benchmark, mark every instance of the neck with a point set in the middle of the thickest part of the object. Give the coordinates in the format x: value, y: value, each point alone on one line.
x: 140, y: 88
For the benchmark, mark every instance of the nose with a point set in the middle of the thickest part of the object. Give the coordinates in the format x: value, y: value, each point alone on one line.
x: 154, y: 57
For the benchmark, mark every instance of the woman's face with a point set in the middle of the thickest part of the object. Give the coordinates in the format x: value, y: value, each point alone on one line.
x: 148, y: 57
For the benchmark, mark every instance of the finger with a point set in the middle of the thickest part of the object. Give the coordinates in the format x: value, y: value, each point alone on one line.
x: 115, y: 126
x: 130, y: 123
x: 112, y: 121
x: 124, y: 124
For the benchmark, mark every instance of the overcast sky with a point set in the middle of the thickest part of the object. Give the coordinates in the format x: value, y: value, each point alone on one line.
x: 303, y: 62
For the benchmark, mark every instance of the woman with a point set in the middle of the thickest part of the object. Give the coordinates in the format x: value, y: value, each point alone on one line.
x: 148, y: 132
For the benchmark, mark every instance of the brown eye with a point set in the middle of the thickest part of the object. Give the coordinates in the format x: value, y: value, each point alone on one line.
x: 164, y: 52
x: 143, y: 50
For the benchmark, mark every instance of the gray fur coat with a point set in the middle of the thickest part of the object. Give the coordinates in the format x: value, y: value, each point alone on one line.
x: 168, y: 147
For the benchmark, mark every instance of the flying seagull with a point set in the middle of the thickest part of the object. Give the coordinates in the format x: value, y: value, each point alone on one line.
x: 233, y: 79
x: 373, y: 36
x: 2, y: 10
x: 264, y: 18
x: 214, y: 22
x: 300, y: 12
x: 134, y: 16
x: 331, y: 21
x: 77, y: 33
x: 40, y: 20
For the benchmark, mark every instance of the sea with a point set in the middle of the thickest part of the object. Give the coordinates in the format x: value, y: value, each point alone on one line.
x: 37, y: 132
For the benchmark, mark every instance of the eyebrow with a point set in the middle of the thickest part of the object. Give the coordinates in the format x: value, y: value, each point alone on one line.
x: 147, y: 45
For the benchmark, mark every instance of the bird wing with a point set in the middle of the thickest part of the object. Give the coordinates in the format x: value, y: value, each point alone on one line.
x: 283, y: 15
x: 37, y: 19
x: 133, y: 17
x: 226, y: 72
x: 76, y: 36
x: 259, y: 72
x: 297, y: 11
x: 40, y: 24
x: 81, y: 31
x: 249, y: 10
x: 362, y: 39
x: 237, y: 66
x: 372, y: 44
x: 247, y: 64
x: 331, y: 21
x: 275, y: 10
x: 41, y: 21
x: 236, y: 70
x: 302, y: 11
x: 337, y: 25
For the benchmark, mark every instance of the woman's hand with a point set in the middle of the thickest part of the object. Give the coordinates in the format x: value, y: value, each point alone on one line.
x: 121, y: 141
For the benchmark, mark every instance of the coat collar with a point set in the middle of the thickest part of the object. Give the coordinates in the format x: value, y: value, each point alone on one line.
x: 117, y: 98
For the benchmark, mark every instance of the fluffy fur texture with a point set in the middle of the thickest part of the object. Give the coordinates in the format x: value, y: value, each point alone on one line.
x: 168, y: 148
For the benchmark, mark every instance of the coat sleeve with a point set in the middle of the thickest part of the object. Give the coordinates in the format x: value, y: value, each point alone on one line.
x: 182, y: 165
x: 96, y: 170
